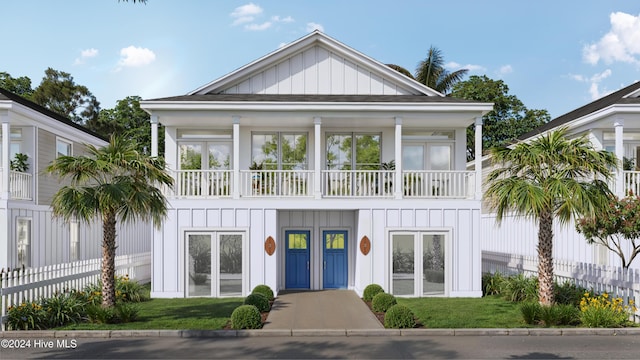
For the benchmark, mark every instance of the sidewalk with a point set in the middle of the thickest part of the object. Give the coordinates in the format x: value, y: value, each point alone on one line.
x: 326, y: 309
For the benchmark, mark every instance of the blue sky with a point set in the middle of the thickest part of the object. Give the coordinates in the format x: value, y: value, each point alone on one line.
x: 554, y: 55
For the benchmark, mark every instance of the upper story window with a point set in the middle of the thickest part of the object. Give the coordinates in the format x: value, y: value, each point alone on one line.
x: 348, y: 151
x: 63, y: 147
x: 428, y: 150
x: 15, y: 142
x: 204, y: 150
x: 279, y: 150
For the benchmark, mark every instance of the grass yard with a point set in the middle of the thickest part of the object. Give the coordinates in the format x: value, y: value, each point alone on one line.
x: 486, y: 312
x: 174, y: 314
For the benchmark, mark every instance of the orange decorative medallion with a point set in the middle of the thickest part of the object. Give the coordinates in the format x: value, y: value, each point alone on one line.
x: 365, y: 245
x: 270, y: 246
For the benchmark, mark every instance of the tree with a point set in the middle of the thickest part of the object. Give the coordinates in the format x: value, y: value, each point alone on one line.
x: 130, y: 121
x: 20, y: 86
x: 401, y: 70
x: 506, y: 122
x: 113, y: 183
x: 59, y: 93
x: 548, y: 178
x: 431, y: 72
x: 611, y: 225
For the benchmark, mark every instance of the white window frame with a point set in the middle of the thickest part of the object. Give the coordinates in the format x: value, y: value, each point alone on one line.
x: 13, y: 141
x: 29, y: 242
x: 354, y: 161
x: 74, y: 240
x: 215, y: 259
x: 279, y: 135
x: 66, y: 142
x: 418, y: 256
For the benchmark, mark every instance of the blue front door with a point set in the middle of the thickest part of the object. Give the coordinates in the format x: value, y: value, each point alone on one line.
x: 335, y: 273
x: 297, y: 259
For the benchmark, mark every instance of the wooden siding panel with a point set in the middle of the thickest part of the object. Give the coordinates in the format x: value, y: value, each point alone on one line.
x: 350, y: 78
x: 270, y: 80
x: 377, y: 84
x: 245, y: 87
x: 257, y: 83
x: 325, y: 75
x: 297, y: 74
x: 256, y: 247
x: 363, y: 81
x: 338, y: 78
x: 284, y: 77
x: 198, y: 218
x: 310, y: 64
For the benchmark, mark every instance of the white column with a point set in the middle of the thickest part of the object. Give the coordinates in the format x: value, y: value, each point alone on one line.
x: 154, y: 135
x: 317, y: 159
x: 6, y: 138
x: 398, y: 158
x: 236, y: 157
x: 478, y: 159
x: 619, y: 128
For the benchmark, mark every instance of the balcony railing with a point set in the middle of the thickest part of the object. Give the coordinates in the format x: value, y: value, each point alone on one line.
x: 334, y: 184
x: 20, y: 185
x: 280, y: 183
x: 631, y: 182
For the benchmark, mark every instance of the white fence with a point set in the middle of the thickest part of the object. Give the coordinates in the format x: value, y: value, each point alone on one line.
x: 624, y: 283
x: 18, y: 286
x: 20, y: 185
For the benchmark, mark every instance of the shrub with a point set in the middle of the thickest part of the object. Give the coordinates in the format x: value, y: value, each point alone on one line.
x: 98, y: 315
x: 126, y: 312
x: 63, y: 308
x: 26, y: 316
x: 246, y: 317
x: 568, y: 293
x: 382, y: 302
x: 530, y: 311
x: 264, y: 290
x: 126, y: 291
x: 259, y: 301
x: 558, y: 314
x: 370, y: 291
x: 399, y: 317
x: 492, y: 284
x: 601, y: 311
x: 520, y: 288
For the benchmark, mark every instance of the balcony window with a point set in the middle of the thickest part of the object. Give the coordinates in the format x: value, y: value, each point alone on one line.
x: 15, y: 142
x: 347, y: 151
x: 279, y: 150
x: 217, y: 155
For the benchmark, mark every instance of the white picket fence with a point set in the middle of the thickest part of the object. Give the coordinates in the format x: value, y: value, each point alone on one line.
x: 18, y: 286
x: 617, y: 281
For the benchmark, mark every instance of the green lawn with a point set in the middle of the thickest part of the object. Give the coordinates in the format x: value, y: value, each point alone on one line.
x: 486, y: 312
x: 174, y: 314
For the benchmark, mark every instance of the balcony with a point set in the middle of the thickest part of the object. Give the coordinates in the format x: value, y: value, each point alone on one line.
x: 20, y: 185
x: 334, y: 184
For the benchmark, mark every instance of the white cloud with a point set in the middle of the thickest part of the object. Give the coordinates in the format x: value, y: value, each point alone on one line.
x: 594, y: 88
x: 86, y: 54
x: 311, y: 26
x: 620, y: 44
x: 452, y: 65
x: 258, y: 27
x: 277, y: 18
x: 245, y: 13
x: 505, y: 69
x: 135, y: 57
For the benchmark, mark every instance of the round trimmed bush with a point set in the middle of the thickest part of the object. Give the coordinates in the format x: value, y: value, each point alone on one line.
x: 399, y: 317
x: 370, y: 291
x: 259, y: 301
x: 382, y: 302
x: 264, y: 290
x: 246, y: 317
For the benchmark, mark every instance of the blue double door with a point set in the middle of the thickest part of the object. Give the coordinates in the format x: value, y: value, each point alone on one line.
x: 334, y: 260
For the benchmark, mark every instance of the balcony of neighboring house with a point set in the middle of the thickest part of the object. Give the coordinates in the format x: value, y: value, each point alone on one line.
x: 20, y: 185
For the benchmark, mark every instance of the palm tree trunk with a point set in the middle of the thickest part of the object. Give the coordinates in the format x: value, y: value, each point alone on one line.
x: 545, y: 259
x: 108, y: 260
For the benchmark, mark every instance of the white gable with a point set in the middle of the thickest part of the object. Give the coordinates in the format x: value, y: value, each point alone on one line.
x: 316, y: 65
x: 317, y: 70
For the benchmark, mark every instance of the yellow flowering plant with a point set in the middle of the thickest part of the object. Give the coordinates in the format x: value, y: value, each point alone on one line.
x: 605, y: 311
x: 27, y: 316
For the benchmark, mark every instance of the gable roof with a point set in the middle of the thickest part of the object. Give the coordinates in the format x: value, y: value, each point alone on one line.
x: 7, y: 95
x: 624, y: 96
x: 332, y: 46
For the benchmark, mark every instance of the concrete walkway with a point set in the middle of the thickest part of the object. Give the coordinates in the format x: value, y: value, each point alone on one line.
x: 326, y: 309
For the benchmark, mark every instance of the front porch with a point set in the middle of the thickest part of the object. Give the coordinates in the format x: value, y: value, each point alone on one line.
x: 332, y: 184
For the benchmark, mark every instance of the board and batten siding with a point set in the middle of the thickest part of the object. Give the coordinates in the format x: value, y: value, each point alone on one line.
x: 316, y: 70
x: 50, y: 237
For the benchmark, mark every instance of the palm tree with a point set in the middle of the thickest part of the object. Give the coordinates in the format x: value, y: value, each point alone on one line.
x: 431, y: 72
x: 113, y: 183
x: 549, y: 177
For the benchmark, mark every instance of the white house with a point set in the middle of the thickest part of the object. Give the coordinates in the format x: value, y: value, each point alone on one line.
x: 611, y: 123
x: 317, y: 167
x: 29, y: 235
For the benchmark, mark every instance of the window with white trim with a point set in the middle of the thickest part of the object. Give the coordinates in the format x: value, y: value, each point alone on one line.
x: 279, y: 150
x: 23, y: 241
x: 15, y: 142
x: 74, y: 240
x: 63, y: 147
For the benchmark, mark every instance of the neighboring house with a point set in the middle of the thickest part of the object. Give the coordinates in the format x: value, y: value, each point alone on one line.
x: 317, y: 167
x: 611, y: 123
x: 29, y: 235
